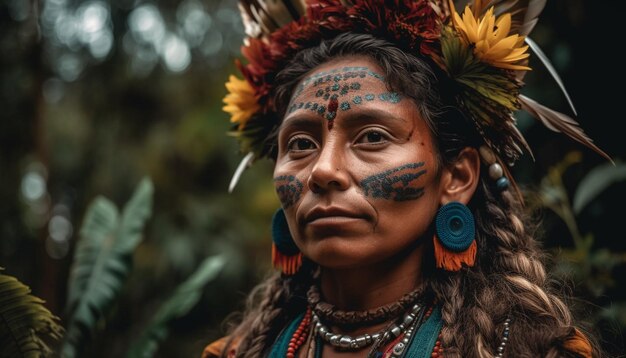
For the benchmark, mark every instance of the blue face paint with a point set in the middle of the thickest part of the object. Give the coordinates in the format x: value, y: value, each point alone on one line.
x: 289, y: 189
x: 397, y: 184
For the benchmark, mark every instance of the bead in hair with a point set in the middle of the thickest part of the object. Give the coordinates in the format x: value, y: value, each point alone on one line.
x: 496, y: 172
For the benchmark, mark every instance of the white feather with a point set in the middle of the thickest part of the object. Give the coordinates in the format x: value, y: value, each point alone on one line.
x: 245, y: 162
x: 546, y: 62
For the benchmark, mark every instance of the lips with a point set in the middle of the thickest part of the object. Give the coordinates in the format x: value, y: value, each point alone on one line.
x: 331, y: 213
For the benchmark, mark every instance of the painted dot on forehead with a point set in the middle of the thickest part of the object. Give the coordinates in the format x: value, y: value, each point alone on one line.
x: 332, y: 112
x: 332, y: 105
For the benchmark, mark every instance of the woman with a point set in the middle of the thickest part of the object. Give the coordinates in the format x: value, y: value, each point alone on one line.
x: 401, y: 233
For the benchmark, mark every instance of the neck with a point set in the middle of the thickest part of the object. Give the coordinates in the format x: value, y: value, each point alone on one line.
x: 373, y: 285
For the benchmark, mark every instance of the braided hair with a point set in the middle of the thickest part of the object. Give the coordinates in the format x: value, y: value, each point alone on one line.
x: 508, y: 280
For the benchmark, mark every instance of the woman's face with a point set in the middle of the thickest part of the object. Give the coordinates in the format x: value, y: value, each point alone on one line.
x: 356, y: 170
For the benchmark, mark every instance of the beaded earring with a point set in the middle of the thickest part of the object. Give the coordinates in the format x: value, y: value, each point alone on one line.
x: 285, y: 254
x: 454, y: 237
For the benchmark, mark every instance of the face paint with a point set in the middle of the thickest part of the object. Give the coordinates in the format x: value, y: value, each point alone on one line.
x: 332, y: 112
x: 289, y: 189
x: 337, y: 75
x: 336, y: 84
x: 371, y: 178
x: 395, y: 184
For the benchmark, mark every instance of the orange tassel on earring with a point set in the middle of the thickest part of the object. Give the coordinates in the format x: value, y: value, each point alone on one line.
x: 289, y: 265
x: 453, y: 261
x: 286, y: 256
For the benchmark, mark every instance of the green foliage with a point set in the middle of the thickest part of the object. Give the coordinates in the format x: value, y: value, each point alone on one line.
x: 24, y: 321
x: 616, y: 311
x: 102, y: 262
x: 596, y: 182
x: 184, y: 298
x: 583, y: 262
x: 127, y: 114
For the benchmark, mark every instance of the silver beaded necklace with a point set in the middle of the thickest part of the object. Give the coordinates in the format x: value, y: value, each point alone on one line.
x: 355, y: 343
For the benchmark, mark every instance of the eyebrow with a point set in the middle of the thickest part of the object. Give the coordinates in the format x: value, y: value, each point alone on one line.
x: 301, y: 120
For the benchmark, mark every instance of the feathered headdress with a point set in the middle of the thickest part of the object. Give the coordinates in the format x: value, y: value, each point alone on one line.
x: 483, y: 50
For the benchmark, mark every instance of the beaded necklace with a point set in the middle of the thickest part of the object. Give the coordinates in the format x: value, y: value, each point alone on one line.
x: 331, y: 314
x: 416, y: 335
x: 420, y: 343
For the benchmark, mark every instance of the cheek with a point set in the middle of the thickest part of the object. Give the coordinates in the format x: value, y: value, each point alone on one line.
x: 289, y: 189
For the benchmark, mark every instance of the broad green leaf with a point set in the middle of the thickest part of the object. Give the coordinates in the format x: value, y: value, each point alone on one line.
x: 136, y: 211
x: 102, y: 262
x: 98, y: 230
x: 596, y: 182
x: 184, y: 298
x: 24, y: 321
x: 616, y: 311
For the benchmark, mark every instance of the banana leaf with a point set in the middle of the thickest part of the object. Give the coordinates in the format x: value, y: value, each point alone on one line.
x: 179, y: 304
x: 594, y: 183
x: 102, y: 262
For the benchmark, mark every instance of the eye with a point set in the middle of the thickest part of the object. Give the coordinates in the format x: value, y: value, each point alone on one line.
x: 300, y: 144
x: 373, y: 136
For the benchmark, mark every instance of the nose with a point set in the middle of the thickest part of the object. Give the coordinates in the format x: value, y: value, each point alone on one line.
x: 329, y: 171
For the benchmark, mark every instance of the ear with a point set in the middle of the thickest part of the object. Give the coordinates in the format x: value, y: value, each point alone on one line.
x: 459, y: 180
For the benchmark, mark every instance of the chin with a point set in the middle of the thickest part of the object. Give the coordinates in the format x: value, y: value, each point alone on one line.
x: 341, y: 253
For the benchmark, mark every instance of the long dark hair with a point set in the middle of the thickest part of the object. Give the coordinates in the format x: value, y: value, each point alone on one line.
x: 509, y: 279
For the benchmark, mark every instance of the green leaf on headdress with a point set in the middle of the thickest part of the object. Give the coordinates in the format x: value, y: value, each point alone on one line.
x: 456, y: 55
x: 488, y: 95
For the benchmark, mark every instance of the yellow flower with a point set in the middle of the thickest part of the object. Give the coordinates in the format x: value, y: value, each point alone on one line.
x: 489, y: 37
x: 240, y: 101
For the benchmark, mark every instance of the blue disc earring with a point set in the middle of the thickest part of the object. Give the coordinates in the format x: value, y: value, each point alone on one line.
x: 454, y: 238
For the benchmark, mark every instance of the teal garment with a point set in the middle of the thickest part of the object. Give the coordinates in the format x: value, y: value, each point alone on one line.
x: 280, y: 346
x: 424, y: 341
x: 421, y: 345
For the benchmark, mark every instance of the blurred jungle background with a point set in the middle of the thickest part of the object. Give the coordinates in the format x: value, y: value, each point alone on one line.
x: 96, y: 95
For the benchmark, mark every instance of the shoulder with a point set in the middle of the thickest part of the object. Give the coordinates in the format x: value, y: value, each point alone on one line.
x: 215, y: 349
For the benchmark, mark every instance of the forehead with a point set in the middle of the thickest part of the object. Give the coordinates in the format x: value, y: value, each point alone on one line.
x: 354, y: 91
x: 340, y: 79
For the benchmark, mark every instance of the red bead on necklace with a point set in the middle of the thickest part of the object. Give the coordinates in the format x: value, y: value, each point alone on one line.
x: 300, y: 335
